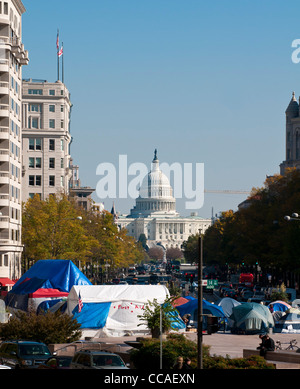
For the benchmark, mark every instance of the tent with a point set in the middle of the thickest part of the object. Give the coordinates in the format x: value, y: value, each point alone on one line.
x: 112, y: 310
x: 45, y: 280
x: 279, y: 305
x: 251, y: 318
x: 208, y: 308
x: 227, y: 304
x: 288, y: 322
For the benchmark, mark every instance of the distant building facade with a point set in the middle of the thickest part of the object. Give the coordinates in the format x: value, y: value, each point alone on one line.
x: 292, y: 152
x: 13, y: 57
x: 155, y: 215
x: 46, y: 139
x: 81, y: 194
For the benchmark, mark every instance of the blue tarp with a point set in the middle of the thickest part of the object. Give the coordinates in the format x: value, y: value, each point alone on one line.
x: 45, y: 274
x: 92, y: 315
x: 50, y: 273
x: 208, y: 308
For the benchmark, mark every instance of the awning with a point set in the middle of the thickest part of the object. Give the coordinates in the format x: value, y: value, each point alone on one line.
x: 6, y: 282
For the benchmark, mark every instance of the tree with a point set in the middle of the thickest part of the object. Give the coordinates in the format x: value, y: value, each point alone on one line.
x: 51, y: 229
x: 154, y: 312
x: 191, y: 248
x: 47, y: 328
x: 174, y: 253
x: 156, y: 253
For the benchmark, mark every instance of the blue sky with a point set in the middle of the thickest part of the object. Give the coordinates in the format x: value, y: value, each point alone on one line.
x: 203, y: 82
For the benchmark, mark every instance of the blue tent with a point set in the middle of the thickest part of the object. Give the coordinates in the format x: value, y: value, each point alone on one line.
x: 50, y: 274
x: 208, y: 308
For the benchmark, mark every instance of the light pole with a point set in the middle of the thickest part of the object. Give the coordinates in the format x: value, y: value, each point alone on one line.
x: 200, y: 316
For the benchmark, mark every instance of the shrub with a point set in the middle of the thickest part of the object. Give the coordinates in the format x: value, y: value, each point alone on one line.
x: 47, y: 328
x: 148, y: 355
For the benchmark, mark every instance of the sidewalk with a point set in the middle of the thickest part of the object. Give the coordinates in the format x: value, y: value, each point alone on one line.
x: 220, y: 344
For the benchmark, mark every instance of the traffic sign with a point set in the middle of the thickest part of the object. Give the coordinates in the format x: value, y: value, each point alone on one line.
x: 211, y: 284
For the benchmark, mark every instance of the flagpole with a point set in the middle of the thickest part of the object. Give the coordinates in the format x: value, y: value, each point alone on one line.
x: 63, y: 70
x: 57, y: 46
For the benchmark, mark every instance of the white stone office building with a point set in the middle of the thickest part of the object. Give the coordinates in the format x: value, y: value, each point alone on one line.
x: 46, y: 139
x: 12, y: 57
x: 155, y: 214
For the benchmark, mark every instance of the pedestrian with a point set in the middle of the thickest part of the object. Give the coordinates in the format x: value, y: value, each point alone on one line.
x: 187, y: 364
x: 267, y: 344
x: 186, y: 318
x: 179, y: 363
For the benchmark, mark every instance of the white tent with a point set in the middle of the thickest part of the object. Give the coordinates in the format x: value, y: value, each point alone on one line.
x: 112, y: 310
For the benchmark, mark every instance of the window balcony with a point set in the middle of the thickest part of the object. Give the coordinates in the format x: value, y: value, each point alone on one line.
x: 4, y: 155
x: 3, y: 88
x: 4, y: 178
x: 4, y: 222
x: 4, y: 110
x: 4, y: 133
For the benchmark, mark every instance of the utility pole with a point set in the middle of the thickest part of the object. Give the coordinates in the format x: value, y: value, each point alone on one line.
x: 200, y: 316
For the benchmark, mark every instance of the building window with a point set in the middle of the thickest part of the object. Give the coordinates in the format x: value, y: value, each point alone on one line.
x: 52, y: 163
x: 62, y: 145
x: 38, y: 180
x: 34, y: 122
x: 38, y: 163
x: 31, y: 162
x: 35, y: 91
x: 52, y: 92
x: 51, y: 180
x: 62, y: 183
x: 51, y: 108
x: 51, y: 144
x: 51, y: 123
x: 31, y: 180
x: 35, y: 144
x: 62, y: 163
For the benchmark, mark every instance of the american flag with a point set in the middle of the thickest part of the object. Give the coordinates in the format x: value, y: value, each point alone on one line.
x: 60, y: 52
x: 57, y: 41
x: 80, y: 303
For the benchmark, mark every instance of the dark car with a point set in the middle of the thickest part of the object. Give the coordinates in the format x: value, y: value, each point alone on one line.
x: 230, y: 293
x: 89, y: 359
x: 57, y: 362
x: 23, y: 354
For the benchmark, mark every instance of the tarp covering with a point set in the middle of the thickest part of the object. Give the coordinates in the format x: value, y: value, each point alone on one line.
x: 113, y: 309
x: 50, y: 273
x: 251, y: 318
x: 45, y: 280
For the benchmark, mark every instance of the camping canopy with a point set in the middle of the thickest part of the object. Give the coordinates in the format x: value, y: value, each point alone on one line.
x: 113, y: 309
x: 45, y: 280
x: 251, y: 318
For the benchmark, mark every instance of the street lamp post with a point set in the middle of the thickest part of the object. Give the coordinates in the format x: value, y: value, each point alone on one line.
x: 200, y: 316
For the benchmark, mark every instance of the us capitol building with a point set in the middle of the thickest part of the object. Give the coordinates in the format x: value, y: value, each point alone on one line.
x: 154, y: 213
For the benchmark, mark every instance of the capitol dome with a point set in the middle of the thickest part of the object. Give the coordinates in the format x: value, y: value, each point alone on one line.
x: 155, y: 195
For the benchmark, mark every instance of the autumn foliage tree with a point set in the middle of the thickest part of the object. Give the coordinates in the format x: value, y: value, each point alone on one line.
x: 258, y: 232
x: 58, y: 229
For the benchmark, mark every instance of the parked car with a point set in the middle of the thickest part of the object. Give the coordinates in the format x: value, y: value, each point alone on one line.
x: 90, y: 359
x: 57, y: 362
x: 230, y: 293
x: 23, y: 354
